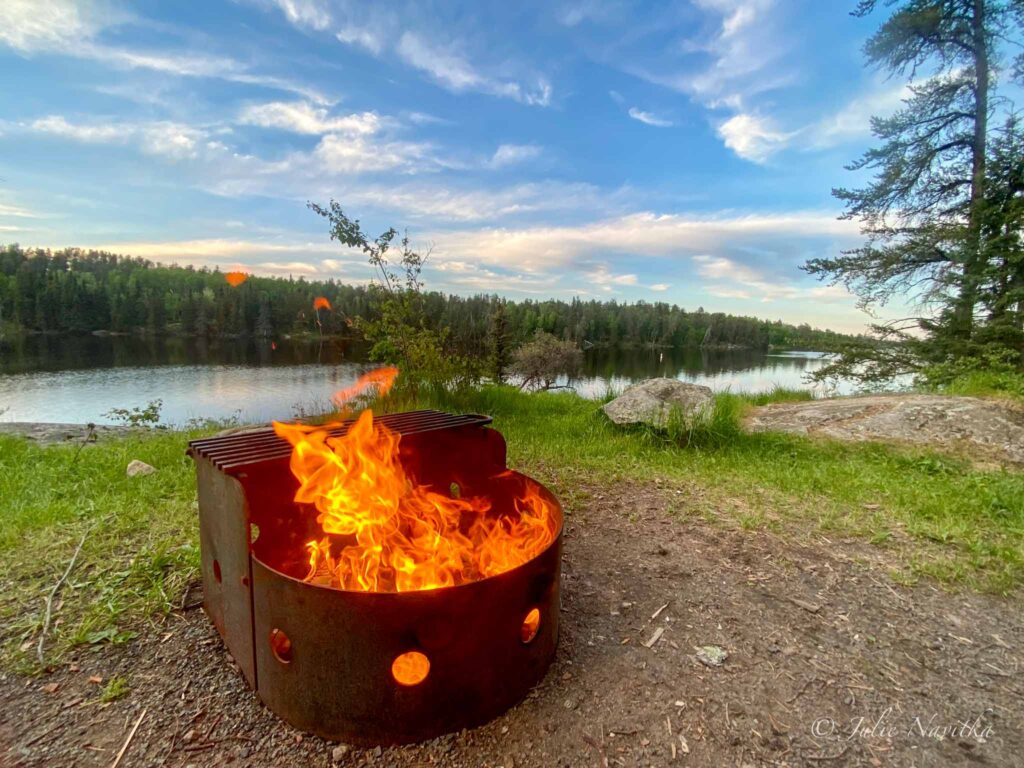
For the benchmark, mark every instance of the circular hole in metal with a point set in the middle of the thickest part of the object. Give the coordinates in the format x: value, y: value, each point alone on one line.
x: 410, y: 668
x: 245, y: 581
x: 530, y: 627
x: 216, y: 571
x: 281, y: 646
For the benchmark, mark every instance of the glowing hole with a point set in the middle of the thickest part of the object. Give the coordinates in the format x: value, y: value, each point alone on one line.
x: 254, y: 533
x: 410, y: 668
x: 216, y: 571
x: 531, y: 624
x: 281, y: 646
x: 455, y: 491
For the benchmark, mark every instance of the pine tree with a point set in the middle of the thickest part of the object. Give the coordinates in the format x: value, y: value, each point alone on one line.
x: 923, y: 213
x: 500, y: 348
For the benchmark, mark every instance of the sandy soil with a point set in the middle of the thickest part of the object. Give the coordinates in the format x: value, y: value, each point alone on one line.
x: 829, y: 663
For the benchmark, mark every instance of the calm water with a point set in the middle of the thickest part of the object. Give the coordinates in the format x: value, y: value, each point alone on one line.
x: 79, y: 379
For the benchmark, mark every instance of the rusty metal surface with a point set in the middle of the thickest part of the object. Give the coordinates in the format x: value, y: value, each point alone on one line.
x: 338, y: 681
x: 233, y: 453
x: 224, y: 544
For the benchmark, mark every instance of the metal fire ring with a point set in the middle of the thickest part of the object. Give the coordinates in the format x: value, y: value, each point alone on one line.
x: 323, y: 658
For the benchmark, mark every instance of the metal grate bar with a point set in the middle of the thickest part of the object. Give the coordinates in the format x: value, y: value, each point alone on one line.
x: 236, y: 452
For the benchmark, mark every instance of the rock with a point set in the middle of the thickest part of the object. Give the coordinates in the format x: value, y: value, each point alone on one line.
x: 711, y: 655
x: 651, y: 402
x: 137, y: 468
x: 339, y: 752
x: 986, y: 428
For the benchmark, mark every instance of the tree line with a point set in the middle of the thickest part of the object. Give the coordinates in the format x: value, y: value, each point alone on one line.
x: 84, y: 291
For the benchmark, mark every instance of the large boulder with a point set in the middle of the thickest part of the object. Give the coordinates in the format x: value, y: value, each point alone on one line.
x: 651, y: 402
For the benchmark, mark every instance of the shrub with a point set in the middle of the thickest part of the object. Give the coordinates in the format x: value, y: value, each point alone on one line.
x: 541, y: 361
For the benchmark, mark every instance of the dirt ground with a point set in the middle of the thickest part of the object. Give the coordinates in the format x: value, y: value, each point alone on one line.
x: 829, y: 663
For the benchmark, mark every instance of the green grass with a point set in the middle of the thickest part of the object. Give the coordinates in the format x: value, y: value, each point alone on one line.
x: 942, y: 516
x: 116, y: 688
x: 141, y: 539
x: 934, y: 515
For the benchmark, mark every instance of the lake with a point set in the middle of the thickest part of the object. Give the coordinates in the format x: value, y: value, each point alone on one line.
x: 78, y: 379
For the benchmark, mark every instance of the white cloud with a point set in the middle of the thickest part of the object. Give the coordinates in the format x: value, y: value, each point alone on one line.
x: 29, y: 25
x: 310, y: 13
x: 603, y: 277
x: 169, y: 139
x: 649, y: 234
x: 456, y: 73
x: 17, y: 211
x: 753, y: 137
x: 739, y: 43
x: 345, y: 154
x: 303, y: 117
x: 69, y: 28
x: 660, y: 287
x: 648, y: 118
x: 362, y: 37
x: 511, y: 154
x: 853, y: 121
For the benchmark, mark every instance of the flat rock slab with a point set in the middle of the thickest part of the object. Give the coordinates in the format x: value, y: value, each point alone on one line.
x: 49, y: 434
x: 651, y: 402
x: 939, y: 421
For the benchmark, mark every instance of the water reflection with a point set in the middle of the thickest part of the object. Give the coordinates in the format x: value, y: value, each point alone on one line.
x: 78, y: 379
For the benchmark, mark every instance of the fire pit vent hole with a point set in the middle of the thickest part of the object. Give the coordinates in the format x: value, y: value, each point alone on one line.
x: 281, y: 646
x: 410, y: 668
x: 531, y: 625
x: 254, y: 533
x: 216, y: 571
x: 455, y: 491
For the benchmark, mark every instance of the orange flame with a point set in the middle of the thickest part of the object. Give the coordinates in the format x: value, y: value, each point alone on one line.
x: 381, y: 378
x: 385, y: 533
x: 235, y: 279
x: 320, y: 302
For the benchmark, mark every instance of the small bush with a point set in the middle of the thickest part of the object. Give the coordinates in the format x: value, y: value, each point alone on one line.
x: 138, y: 417
x: 541, y: 361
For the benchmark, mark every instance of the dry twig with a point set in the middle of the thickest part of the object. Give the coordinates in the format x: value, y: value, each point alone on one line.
x: 53, y: 594
x: 124, y: 747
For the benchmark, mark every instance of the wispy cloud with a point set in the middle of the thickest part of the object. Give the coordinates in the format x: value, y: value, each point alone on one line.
x: 17, y: 212
x: 311, y: 13
x: 853, y: 120
x: 419, y: 42
x: 455, y: 72
x: 303, y: 117
x: 649, y: 118
x: 512, y: 154
x: 645, y: 234
x: 166, y: 138
x: 68, y: 28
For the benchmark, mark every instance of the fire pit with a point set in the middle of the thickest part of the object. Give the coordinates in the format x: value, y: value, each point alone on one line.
x: 383, y: 580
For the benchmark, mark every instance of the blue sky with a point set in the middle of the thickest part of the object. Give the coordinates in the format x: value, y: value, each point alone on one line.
x: 679, y: 152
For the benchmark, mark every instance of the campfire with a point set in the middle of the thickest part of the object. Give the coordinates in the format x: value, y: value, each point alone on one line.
x: 380, y: 579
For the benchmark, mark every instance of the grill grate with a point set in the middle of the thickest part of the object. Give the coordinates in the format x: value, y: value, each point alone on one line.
x: 232, y: 453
